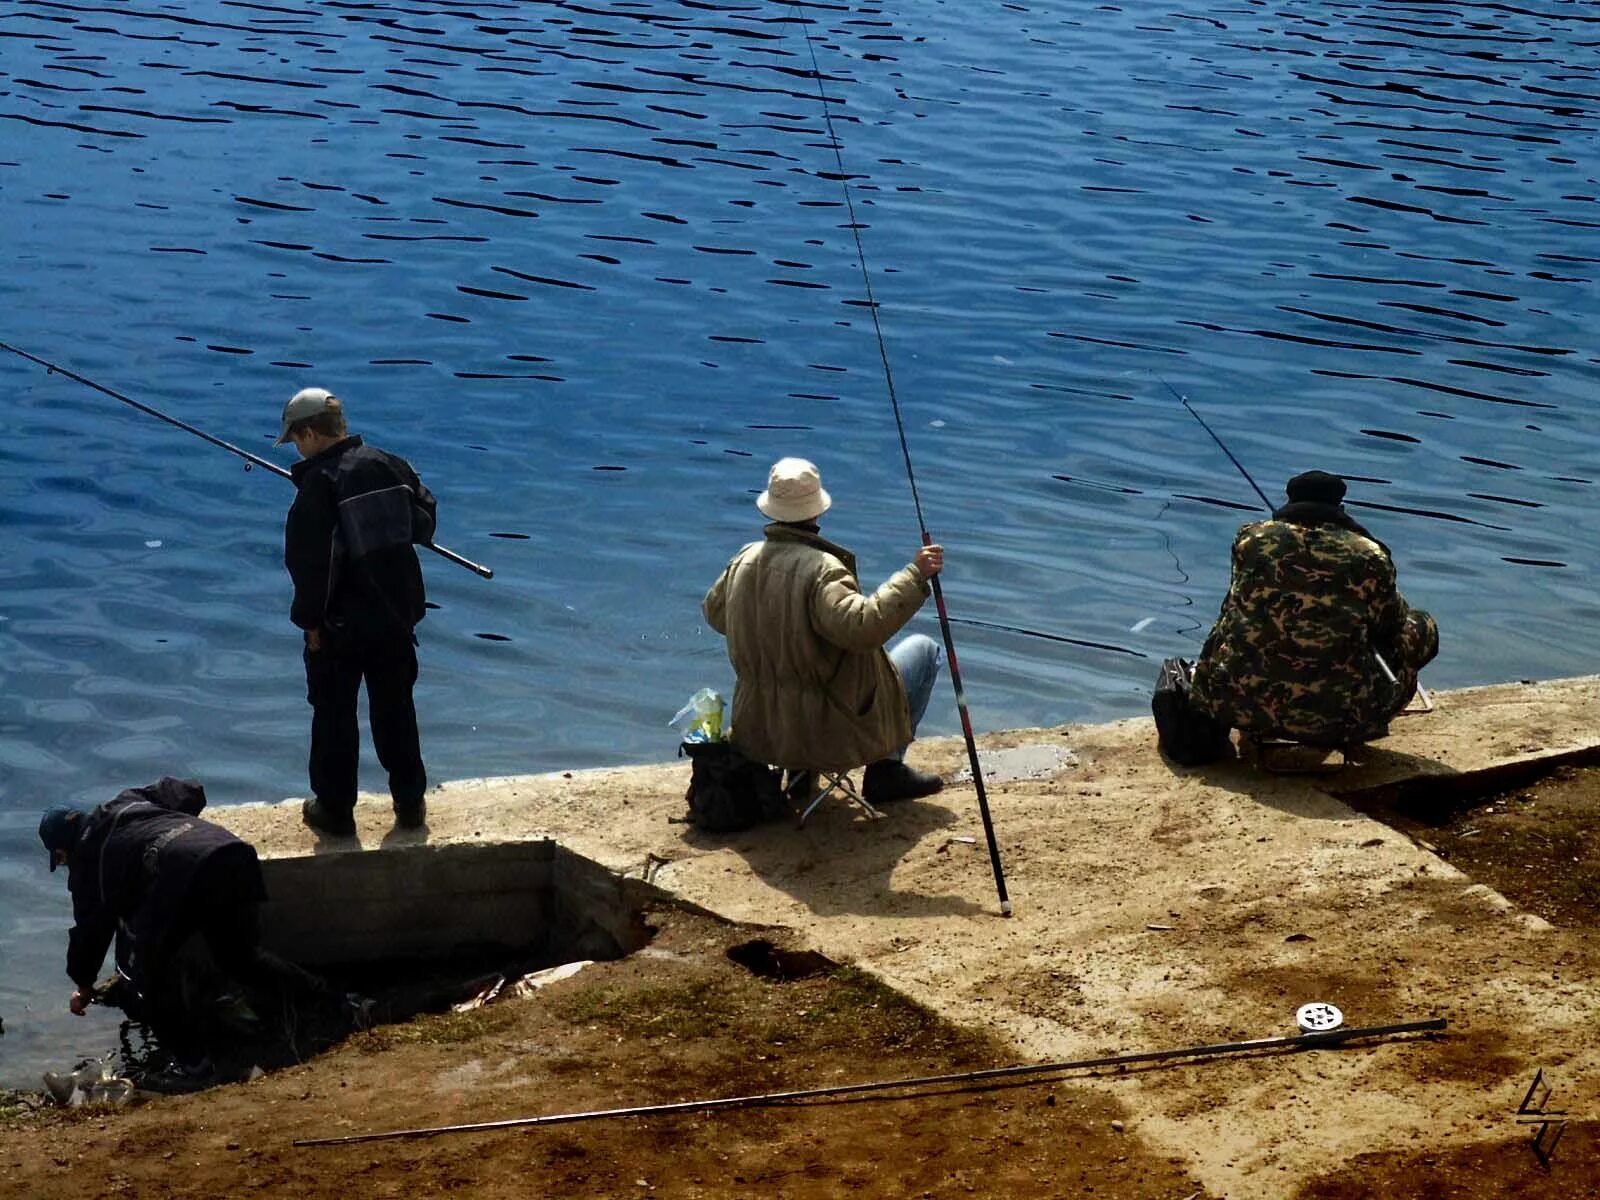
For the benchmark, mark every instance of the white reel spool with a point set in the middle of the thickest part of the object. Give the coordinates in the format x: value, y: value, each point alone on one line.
x: 1318, y: 1017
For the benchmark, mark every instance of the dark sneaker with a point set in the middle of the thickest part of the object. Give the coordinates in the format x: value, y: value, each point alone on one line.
x: 325, y: 820
x: 411, y: 816
x: 889, y: 780
x: 179, y: 1077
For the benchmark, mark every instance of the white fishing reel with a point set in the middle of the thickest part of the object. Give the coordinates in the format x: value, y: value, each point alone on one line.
x: 1318, y: 1017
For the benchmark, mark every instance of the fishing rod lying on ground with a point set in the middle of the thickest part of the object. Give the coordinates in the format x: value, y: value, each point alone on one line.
x: 905, y: 450
x: 1383, y: 664
x: 250, y: 459
x: 1301, y: 1041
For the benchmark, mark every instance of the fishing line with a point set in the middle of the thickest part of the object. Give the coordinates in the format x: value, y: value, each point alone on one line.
x: 1049, y: 637
x: 251, y: 460
x: 1166, y: 540
x: 911, y: 475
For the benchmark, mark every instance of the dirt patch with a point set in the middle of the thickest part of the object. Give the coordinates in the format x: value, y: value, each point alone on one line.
x: 1537, y: 844
x: 1499, y: 1169
x: 1279, y: 990
x: 678, y: 1021
x: 1479, y: 1056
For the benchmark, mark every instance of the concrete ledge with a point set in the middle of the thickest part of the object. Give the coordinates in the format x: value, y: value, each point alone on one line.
x: 421, y: 902
x: 1155, y: 907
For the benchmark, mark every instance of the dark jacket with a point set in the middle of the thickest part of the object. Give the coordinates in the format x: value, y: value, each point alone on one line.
x: 136, y: 863
x: 348, y: 542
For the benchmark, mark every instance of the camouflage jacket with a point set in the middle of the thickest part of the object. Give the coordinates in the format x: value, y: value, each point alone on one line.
x: 1292, y: 652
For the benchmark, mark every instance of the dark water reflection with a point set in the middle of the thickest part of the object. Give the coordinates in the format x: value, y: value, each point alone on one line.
x: 589, y: 267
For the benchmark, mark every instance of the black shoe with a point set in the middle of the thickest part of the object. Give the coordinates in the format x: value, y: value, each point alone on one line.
x: 889, y: 780
x: 317, y: 815
x: 411, y: 816
x: 178, y: 1077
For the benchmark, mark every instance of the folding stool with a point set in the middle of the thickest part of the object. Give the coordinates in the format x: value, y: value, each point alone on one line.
x: 829, y: 783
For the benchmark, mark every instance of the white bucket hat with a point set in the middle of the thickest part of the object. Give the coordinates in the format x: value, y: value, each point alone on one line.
x: 794, y: 492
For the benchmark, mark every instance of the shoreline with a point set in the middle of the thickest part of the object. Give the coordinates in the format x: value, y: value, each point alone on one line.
x: 1155, y: 907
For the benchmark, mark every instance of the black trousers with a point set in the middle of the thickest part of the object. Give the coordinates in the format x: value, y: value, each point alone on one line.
x: 223, y: 908
x: 333, y: 684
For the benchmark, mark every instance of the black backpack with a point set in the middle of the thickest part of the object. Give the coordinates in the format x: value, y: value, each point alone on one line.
x: 1184, y: 733
x: 727, y: 792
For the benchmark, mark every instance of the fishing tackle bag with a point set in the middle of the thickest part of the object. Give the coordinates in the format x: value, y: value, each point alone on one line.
x: 1187, y: 735
x: 727, y: 792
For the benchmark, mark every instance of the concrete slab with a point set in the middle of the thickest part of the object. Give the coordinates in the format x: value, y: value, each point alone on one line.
x: 1156, y: 907
x: 1035, y: 761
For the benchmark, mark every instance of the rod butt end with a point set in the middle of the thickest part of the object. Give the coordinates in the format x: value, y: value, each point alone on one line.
x: 1005, y: 908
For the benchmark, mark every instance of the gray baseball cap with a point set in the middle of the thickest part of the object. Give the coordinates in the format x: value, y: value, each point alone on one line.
x: 303, y: 405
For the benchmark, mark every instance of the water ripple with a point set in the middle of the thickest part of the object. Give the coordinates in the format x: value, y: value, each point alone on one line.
x: 590, y: 267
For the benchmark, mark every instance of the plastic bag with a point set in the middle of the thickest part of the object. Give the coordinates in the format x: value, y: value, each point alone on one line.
x: 701, y: 718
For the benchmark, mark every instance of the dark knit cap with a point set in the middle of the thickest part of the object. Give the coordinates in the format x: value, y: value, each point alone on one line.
x: 1318, y: 486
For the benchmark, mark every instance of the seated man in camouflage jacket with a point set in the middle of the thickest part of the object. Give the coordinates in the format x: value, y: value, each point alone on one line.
x: 1314, y: 642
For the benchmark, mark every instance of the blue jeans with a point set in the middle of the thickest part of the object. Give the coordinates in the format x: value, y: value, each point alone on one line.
x: 918, y: 659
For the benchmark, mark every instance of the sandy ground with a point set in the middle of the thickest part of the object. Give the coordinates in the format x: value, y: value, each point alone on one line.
x: 1155, y: 907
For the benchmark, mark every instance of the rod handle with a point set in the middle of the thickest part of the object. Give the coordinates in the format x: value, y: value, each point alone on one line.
x: 460, y: 561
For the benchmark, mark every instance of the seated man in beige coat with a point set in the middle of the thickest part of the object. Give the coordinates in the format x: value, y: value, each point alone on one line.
x: 815, y: 689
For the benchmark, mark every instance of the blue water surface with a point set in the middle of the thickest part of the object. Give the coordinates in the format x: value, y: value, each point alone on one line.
x: 590, y: 267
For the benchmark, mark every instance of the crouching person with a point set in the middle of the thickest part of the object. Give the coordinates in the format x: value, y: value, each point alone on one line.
x: 815, y: 688
x: 1314, y: 643
x: 146, y: 866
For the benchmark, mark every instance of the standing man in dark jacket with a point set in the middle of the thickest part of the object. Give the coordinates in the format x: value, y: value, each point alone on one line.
x: 145, y: 863
x: 358, y: 595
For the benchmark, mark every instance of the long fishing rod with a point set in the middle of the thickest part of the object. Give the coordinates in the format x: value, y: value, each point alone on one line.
x: 1302, y: 1041
x: 1383, y: 663
x: 1184, y: 400
x: 251, y: 460
x: 905, y: 451
x: 1049, y: 637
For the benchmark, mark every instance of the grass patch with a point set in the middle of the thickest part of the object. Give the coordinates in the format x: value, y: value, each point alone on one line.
x: 21, y: 1109
x: 858, y: 1000
x: 442, y: 1029
x: 1539, y: 845
x: 17, y: 1107
x: 693, y: 1008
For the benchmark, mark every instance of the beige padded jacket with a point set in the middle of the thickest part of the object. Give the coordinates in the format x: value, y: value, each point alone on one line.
x: 814, y: 688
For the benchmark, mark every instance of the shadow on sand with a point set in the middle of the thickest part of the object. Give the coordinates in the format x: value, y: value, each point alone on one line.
x: 842, y: 862
x: 1317, y: 795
